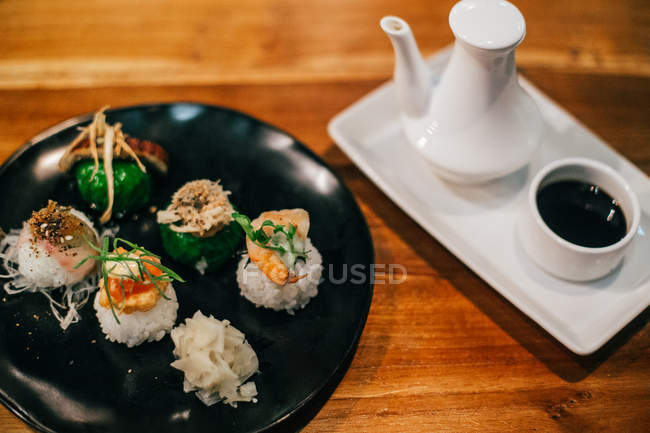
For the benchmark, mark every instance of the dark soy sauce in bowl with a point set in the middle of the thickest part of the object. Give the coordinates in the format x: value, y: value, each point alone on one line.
x: 581, y: 213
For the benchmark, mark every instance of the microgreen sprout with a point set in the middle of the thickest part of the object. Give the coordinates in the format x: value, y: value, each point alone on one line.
x: 134, y: 254
x: 260, y: 238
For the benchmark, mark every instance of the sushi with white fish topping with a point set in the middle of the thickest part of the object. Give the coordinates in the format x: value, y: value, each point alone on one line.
x: 42, y: 257
x: 282, y: 268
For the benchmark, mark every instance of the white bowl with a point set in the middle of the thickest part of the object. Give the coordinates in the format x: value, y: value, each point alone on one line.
x: 558, y: 256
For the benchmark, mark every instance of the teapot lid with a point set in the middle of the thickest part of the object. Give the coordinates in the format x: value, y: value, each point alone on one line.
x: 487, y: 24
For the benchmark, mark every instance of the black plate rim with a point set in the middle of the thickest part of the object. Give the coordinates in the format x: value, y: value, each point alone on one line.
x: 81, y: 118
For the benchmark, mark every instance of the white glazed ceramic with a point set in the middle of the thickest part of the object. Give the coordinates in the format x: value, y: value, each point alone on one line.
x: 477, y: 223
x: 478, y: 124
x: 412, y: 76
x: 558, y: 256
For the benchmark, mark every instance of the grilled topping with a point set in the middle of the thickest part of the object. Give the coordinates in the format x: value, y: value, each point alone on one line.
x: 149, y: 152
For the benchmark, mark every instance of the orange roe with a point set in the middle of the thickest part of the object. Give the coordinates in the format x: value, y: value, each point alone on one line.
x: 132, y: 287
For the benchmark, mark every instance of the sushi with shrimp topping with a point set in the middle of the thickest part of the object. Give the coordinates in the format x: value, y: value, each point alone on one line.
x: 282, y: 268
x: 136, y: 301
x: 42, y: 257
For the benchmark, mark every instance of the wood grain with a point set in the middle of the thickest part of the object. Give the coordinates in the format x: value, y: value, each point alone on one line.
x: 442, y: 351
x: 78, y: 43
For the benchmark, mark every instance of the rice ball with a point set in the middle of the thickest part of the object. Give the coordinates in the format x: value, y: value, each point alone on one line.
x: 257, y: 288
x: 139, y: 326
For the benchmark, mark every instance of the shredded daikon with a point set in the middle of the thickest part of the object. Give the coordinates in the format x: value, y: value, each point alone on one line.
x: 216, y: 360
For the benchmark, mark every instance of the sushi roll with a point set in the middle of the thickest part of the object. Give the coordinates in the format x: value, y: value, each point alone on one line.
x: 136, y: 301
x: 197, y: 227
x: 42, y: 257
x: 282, y: 268
x: 119, y: 183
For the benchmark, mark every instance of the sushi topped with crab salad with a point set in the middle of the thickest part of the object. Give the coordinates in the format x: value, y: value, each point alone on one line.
x: 282, y: 268
x: 197, y: 227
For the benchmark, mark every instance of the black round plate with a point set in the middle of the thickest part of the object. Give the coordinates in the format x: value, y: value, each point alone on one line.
x: 76, y: 381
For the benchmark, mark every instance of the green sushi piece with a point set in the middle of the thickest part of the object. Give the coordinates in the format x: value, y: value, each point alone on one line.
x: 132, y: 186
x: 207, y: 253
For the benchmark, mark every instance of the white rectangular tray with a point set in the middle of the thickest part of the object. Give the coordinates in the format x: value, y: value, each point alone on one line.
x: 477, y: 223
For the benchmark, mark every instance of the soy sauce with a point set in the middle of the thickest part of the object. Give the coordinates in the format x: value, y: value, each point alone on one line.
x: 581, y: 213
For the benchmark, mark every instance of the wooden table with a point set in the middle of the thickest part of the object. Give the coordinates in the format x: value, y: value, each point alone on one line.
x: 442, y: 351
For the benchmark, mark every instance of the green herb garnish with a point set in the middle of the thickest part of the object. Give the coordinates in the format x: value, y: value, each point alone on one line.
x: 260, y: 238
x: 130, y: 255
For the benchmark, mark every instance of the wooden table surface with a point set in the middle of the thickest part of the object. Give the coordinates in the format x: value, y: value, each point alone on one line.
x: 442, y: 351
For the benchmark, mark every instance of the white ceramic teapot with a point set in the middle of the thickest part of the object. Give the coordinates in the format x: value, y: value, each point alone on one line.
x: 477, y: 124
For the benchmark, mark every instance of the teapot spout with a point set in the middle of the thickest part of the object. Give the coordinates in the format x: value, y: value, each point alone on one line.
x: 412, y: 77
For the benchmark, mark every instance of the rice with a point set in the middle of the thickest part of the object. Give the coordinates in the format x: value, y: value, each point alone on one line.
x: 38, y: 266
x: 139, y: 326
x: 257, y: 288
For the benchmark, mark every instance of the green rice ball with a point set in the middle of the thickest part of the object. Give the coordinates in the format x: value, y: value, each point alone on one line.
x: 205, y: 254
x: 132, y: 186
